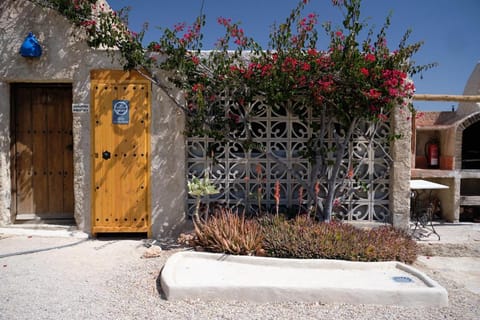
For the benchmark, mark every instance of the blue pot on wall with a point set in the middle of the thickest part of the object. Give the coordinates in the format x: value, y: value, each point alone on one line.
x: 30, y: 47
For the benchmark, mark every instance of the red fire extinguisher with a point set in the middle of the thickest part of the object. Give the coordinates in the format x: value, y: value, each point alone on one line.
x: 432, y: 154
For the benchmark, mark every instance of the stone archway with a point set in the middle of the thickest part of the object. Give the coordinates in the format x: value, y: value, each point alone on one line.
x: 465, y: 124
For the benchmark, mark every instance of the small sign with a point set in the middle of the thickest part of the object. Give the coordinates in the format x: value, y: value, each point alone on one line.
x: 121, y: 111
x: 80, y: 108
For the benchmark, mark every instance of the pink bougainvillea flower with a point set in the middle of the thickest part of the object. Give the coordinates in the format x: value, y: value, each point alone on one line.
x: 179, y: 27
x: 312, y: 52
x: 382, y: 117
x: 224, y: 21
x: 339, y: 34
x: 374, y: 94
x: 88, y: 23
x: 392, y: 92
x: 195, y: 60
x: 370, y: 57
x: 197, y: 87
x: 306, y: 66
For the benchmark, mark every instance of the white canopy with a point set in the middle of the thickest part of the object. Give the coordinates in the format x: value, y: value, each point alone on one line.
x: 424, y: 184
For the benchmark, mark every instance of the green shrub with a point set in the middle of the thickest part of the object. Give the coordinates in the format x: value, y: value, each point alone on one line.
x: 229, y: 232
x: 305, y: 238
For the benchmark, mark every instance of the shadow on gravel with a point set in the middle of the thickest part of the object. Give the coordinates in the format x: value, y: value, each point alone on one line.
x: 165, y: 243
x: 159, y: 286
x: 19, y: 253
x: 121, y: 236
x: 170, y: 244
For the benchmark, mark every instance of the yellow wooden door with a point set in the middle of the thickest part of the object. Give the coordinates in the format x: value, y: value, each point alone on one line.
x: 121, y: 151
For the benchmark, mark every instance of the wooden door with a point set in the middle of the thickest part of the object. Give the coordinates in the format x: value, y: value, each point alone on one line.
x: 120, y: 123
x: 42, y: 152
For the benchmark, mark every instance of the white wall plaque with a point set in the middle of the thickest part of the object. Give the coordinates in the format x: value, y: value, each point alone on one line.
x: 80, y: 108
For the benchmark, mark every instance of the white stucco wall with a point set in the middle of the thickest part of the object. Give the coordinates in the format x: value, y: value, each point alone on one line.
x: 67, y: 58
x: 168, y: 166
x: 471, y: 88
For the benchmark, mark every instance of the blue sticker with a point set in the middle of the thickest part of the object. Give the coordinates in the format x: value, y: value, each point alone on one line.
x: 121, y: 111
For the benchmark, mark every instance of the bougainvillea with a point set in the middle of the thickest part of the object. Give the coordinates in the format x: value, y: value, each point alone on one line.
x: 353, y: 79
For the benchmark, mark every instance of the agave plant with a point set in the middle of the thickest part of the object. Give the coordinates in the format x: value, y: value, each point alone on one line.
x: 200, y: 188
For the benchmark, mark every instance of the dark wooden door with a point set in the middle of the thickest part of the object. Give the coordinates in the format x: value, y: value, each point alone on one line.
x: 42, y: 151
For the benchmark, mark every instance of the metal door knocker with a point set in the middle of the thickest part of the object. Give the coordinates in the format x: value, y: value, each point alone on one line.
x: 106, y: 155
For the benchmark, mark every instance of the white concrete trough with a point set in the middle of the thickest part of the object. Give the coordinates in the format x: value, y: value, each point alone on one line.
x: 211, y: 276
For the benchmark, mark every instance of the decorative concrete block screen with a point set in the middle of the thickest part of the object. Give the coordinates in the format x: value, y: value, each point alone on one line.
x: 246, y: 178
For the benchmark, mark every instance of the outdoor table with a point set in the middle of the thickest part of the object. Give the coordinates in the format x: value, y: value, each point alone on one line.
x: 422, y: 214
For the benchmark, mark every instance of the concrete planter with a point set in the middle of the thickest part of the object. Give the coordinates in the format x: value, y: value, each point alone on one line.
x: 210, y: 276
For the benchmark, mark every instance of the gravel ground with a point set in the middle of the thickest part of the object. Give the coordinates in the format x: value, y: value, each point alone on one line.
x: 109, y: 279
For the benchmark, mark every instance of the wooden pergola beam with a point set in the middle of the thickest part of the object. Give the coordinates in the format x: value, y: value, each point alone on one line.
x: 446, y: 97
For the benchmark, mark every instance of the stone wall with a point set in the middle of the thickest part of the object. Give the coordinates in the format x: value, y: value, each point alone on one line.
x: 400, y: 170
x: 5, y: 182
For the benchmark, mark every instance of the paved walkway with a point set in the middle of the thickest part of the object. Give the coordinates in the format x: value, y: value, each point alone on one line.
x: 455, y: 233
x: 456, y: 255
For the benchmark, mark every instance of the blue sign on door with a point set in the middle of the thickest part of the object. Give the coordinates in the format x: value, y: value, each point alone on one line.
x: 121, y: 111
